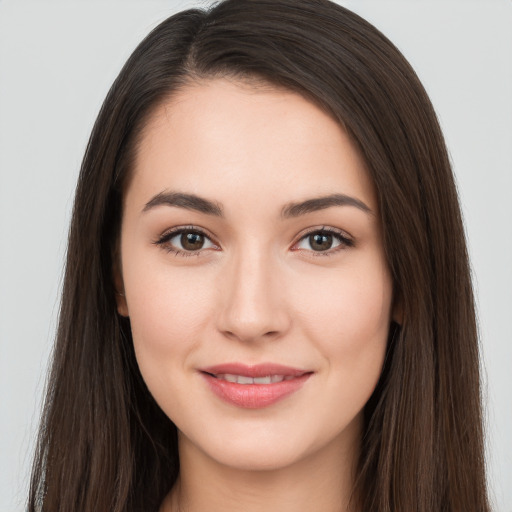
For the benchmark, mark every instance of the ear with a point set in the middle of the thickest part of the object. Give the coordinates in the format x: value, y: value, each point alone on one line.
x: 122, y: 306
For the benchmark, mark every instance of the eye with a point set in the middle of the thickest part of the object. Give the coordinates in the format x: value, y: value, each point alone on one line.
x: 185, y: 241
x: 324, y: 241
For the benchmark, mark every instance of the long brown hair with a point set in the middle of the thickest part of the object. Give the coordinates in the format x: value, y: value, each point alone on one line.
x: 104, y: 444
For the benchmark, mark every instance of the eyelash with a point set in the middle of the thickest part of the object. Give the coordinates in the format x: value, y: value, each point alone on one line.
x: 344, y: 241
x: 163, y: 241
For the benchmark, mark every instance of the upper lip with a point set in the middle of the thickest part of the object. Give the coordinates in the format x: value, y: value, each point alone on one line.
x: 257, y: 370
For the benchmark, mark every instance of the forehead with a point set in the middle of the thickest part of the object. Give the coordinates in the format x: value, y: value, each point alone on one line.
x: 220, y: 139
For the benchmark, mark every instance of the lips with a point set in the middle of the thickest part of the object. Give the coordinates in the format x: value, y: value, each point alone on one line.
x: 243, y: 379
x: 254, y: 387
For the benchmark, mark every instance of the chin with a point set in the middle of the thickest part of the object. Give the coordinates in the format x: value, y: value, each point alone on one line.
x: 263, y: 448
x: 258, y: 458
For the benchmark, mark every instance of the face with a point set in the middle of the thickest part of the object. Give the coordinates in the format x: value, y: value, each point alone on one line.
x: 253, y: 274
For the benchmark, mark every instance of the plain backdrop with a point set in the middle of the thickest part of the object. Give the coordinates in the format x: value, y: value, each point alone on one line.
x: 57, y: 61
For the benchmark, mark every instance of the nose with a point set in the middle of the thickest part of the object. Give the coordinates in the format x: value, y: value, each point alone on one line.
x: 252, y: 298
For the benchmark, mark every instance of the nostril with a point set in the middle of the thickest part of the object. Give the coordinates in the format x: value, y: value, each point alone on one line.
x: 251, y: 335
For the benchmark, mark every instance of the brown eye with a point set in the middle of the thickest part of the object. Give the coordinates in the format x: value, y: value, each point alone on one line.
x: 325, y: 241
x: 185, y: 241
x: 320, y: 241
x: 192, y: 241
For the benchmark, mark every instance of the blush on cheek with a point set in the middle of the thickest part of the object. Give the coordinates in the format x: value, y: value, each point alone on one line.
x: 356, y: 315
x: 160, y: 329
x: 161, y: 296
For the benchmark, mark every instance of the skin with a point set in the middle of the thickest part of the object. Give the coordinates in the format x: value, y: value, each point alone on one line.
x: 256, y: 291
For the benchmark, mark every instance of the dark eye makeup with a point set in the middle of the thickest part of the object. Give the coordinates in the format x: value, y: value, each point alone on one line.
x: 325, y: 241
x: 193, y: 241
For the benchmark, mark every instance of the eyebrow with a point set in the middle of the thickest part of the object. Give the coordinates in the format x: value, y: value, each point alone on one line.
x: 187, y: 201
x: 321, y: 203
x: 290, y: 210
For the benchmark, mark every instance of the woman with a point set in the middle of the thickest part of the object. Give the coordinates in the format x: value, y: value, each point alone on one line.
x: 267, y: 302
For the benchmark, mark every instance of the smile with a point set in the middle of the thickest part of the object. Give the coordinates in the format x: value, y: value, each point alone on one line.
x: 243, y: 379
x: 254, y: 387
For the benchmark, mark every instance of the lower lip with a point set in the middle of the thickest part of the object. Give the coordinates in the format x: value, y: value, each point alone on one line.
x: 254, y: 396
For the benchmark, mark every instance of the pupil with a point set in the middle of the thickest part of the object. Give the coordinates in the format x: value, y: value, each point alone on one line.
x: 192, y: 241
x: 320, y: 242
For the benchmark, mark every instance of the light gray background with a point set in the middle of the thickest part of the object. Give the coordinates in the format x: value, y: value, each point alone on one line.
x: 57, y: 61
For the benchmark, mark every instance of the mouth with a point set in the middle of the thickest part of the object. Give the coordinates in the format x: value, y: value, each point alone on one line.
x: 254, y: 387
x: 243, y: 379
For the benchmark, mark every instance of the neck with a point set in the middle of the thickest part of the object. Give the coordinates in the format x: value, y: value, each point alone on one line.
x: 322, y: 482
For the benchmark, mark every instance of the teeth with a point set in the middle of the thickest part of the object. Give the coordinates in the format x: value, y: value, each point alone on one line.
x: 263, y: 380
x: 242, y: 379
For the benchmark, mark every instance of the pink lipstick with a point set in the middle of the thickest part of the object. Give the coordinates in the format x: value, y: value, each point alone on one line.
x: 254, y: 387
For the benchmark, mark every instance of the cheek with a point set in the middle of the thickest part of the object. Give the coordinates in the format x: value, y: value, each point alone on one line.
x: 168, y: 308
x: 168, y: 311
x: 348, y: 315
